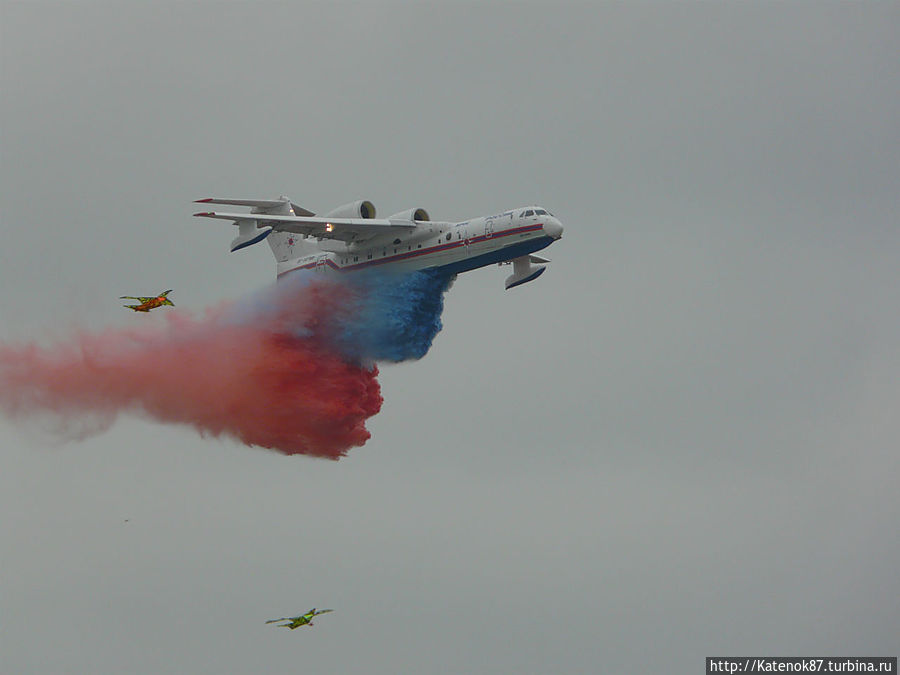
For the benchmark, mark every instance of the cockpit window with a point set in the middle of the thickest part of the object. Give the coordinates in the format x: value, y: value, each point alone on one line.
x: 540, y: 212
x: 528, y: 213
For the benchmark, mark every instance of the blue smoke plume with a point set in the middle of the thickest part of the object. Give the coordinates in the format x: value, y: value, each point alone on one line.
x: 389, y: 316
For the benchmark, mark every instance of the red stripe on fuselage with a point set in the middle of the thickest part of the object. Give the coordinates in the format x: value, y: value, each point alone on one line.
x: 425, y: 251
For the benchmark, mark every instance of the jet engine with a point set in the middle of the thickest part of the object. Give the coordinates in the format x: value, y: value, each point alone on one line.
x: 361, y: 209
x: 419, y: 214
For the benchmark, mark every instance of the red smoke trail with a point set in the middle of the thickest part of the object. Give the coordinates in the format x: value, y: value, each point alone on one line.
x: 256, y: 378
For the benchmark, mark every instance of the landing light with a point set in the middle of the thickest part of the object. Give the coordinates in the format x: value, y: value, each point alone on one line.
x: 329, y: 227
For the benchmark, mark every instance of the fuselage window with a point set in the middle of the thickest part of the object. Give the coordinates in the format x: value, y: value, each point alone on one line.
x: 449, y: 236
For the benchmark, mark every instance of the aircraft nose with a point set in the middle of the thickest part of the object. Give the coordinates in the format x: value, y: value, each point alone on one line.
x: 553, y: 228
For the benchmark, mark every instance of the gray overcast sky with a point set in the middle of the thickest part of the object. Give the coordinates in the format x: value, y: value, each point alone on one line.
x: 681, y: 441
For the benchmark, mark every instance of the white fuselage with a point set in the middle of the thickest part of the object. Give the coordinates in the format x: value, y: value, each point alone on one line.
x: 451, y: 247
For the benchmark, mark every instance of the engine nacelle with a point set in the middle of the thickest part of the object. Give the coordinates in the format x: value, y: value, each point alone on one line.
x: 419, y: 214
x: 361, y: 209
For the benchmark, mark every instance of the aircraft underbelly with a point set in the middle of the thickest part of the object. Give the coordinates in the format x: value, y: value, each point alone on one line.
x: 497, y: 255
x: 454, y: 259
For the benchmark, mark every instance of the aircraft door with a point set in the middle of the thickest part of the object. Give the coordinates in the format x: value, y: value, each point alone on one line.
x: 465, y: 236
x: 321, y: 263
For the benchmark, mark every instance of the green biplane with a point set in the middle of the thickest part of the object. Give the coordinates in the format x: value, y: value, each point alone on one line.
x: 302, y: 620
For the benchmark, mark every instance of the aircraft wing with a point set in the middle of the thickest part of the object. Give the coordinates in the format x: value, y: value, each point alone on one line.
x: 342, y: 229
x: 259, y: 203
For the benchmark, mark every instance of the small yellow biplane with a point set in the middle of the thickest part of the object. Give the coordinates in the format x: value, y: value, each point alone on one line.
x: 146, y: 304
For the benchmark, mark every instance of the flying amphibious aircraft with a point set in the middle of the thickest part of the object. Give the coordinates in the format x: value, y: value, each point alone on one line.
x: 302, y: 620
x: 148, y: 303
x: 351, y: 238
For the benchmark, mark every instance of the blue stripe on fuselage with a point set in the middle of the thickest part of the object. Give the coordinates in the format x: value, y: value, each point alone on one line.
x: 504, y: 254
